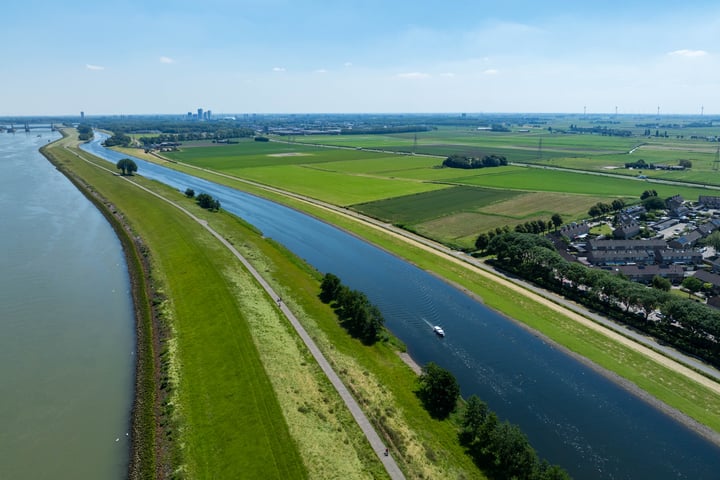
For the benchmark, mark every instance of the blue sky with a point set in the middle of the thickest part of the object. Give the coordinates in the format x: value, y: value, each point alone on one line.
x: 281, y: 56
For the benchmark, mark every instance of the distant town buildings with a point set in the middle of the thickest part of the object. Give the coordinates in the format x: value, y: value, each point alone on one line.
x: 201, y: 115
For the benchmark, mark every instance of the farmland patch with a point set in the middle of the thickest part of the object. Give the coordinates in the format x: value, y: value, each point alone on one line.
x: 421, y: 207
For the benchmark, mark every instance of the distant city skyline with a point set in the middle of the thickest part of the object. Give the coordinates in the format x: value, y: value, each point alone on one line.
x: 356, y: 56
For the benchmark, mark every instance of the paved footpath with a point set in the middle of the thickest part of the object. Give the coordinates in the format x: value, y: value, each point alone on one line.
x: 375, y: 441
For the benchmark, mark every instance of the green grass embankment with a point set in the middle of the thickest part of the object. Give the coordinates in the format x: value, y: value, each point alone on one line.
x: 674, y: 389
x: 143, y: 455
x: 210, y: 372
x: 223, y: 418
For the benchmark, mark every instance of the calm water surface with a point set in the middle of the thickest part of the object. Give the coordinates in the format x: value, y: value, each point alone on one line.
x: 66, y: 325
x: 573, y: 416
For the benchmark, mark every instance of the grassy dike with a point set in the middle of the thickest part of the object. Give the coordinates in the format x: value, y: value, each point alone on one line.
x: 148, y: 330
x: 619, y: 362
x: 245, y: 399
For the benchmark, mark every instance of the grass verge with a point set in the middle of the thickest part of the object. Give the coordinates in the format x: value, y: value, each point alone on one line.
x: 204, y: 409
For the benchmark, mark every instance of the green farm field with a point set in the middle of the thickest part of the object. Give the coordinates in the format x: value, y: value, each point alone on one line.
x: 516, y: 146
x: 549, y: 180
x: 410, y: 189
x: 425, y: 206
x: 677, y: 391
x: 456, y: 215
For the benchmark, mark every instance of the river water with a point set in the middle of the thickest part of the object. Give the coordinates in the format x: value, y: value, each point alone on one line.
x: 66, y: 325
x: 572, y: 415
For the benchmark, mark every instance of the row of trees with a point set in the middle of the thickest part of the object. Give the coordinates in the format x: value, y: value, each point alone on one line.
x: 462, y: 161
x: 642, y: 165
x: 118, y: 140
x: 683, y: 323
x: 205, y: 200
x: 601, y: 130
x: 601, y: 208
x: 497, y: 450
x: 533, y: 226
x: 500, y: 449
x: 218, y: 134
x: 357, y: 315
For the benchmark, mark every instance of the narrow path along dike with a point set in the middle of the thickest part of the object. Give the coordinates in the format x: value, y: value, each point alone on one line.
x: 371, y: 434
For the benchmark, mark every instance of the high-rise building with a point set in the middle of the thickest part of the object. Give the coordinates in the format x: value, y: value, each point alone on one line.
x: 200, y: 114
x: 82, y: 116
x: 208, y: 114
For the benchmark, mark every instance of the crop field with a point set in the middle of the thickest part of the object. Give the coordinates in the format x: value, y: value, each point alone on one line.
x: 462, y: 229
x: 416, y: 191
x: 386, y: 165
x: 425, y: 206
x: 248, y: 153
x: 456, y: 216
x: 549, y: 180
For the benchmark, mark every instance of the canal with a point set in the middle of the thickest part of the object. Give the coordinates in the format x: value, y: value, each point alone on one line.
x: 572, y: 415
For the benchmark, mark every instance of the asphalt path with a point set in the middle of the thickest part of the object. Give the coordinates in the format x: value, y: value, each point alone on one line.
x: 371, y: 434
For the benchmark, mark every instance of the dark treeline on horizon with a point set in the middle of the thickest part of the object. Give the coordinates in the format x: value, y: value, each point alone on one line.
x: 370, y: 119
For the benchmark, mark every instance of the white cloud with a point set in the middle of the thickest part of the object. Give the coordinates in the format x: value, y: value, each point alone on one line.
x: 491, y: 71
x: 447, y: 74
x: 413, y: 75
x: 320, y: 70
x: 348, y: 64
x: 94, y: 67
x: 688, y: 53
x: 166, y: 60
x: 278, y: 69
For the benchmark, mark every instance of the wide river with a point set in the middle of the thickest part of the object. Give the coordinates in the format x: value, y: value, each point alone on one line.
x: 66, y: 325
x: 573, y: 416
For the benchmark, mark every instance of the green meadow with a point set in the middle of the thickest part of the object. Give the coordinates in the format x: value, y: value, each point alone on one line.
x: 502, y: 202
x: 247, y: 400
x: 413, y: 190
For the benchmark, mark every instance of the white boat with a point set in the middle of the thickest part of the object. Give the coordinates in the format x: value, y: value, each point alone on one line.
x: 439, y: 331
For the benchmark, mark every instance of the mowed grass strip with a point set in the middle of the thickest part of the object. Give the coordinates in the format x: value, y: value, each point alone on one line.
x: 231, y: 425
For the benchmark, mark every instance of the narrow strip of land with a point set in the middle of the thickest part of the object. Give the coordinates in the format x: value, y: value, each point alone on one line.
x: 369, y: 431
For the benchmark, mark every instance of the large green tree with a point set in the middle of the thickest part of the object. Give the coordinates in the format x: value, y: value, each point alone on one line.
x: 557, y: 220
x: 127, y: 166
x: 439, y: 390
x: 205, y: 200
x: 482, y: 242
x: 693, y: 285
x: 713, y: 240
